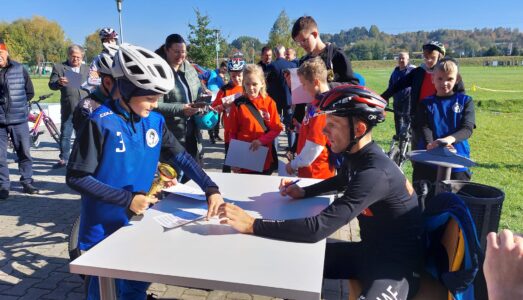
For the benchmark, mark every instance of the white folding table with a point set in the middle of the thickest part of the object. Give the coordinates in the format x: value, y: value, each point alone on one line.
x: 206, y: 254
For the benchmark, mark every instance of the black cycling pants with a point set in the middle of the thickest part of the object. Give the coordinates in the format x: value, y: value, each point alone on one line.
x: 380, y: 280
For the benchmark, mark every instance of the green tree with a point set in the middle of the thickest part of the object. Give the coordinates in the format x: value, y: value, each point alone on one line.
x: 374, y: 32
x: 92, y: 46
x: 35, y: 40
x: 202, y: 49
x: 280, y: 33
x: 249, y: 46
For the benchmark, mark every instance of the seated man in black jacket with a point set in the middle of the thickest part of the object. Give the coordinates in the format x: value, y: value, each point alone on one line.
x: 387, y: 260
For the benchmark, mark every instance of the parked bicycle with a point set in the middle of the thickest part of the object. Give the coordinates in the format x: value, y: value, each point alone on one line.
x: 400, y: 143
x: 37, y: 119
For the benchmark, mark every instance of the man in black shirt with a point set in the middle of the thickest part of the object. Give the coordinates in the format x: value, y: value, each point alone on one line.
x: 374, y: 190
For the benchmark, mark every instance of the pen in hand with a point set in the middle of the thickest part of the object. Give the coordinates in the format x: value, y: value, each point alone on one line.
x: 291, y: 183
x: 284, y: 187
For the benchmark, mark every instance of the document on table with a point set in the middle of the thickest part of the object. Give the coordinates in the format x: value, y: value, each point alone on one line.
x: 239, y: 155
x: 299, y: 95
x: 186, y: 191
x: 178, y: 218
x: 75, y: 79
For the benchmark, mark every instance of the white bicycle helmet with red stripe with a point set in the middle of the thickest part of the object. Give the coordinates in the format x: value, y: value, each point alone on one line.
x: 108, y: 33
x: 143, y: 68
x: 236, y: 63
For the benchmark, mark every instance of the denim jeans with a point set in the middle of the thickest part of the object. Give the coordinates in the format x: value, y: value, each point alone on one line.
x: 66, y: 131
x: 19, y: 134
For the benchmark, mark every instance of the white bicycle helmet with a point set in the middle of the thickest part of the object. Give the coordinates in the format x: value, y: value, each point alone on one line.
x: 143, y: 68
x: 103, y: 63
x: 110, y: 48
x: 236, y: 63
x: 108, y: 33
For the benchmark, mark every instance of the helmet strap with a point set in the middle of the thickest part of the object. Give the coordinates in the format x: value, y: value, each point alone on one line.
x: 352, y: 134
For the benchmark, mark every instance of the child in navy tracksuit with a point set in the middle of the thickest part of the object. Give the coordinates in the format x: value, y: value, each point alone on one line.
x: 116, y: 154
x: 447, y: 118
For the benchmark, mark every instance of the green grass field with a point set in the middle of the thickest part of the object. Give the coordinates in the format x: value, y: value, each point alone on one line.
x: 496, y: 144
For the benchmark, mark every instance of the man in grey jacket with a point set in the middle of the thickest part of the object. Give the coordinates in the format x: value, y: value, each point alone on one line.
x: 16, y: 89
x: 71, y: 94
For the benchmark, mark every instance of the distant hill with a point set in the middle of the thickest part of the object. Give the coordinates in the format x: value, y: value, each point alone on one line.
x: 361, y: 43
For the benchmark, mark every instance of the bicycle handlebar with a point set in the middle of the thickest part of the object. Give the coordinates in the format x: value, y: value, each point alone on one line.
x: 43, y: 97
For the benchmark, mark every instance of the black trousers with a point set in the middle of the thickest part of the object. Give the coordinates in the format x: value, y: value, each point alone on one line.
x: 19, y: 134
x: 380, y: 279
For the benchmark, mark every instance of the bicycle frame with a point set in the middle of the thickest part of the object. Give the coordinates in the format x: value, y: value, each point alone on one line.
x: 42, y: 117
x: 399, y: 144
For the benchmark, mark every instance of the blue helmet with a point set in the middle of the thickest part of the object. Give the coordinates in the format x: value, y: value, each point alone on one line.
x: 206, y: 120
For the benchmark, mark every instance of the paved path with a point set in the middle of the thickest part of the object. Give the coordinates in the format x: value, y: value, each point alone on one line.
x: 34, y: 231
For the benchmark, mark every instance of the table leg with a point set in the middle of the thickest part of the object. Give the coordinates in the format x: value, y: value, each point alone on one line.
x: 107, y: 288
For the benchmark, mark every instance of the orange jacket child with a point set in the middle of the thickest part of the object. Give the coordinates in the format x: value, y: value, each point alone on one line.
x: 312, y: 147
x: 245, y: 127
x: 226, y: 90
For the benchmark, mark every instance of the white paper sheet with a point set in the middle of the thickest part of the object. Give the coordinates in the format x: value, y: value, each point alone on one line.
x: 299, y: 95
x: 281, y: 169
x: 240, y: 156
x: 186, y: 191
x: 178, y: 218
x: 75, y: 79
x: 231, y: 98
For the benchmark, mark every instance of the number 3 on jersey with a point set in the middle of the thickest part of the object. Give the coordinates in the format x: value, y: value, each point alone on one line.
x: 122, y: 149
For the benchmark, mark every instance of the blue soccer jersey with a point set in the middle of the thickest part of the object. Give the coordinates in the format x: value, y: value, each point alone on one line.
x: 445, y: 116
x: 127, y: 157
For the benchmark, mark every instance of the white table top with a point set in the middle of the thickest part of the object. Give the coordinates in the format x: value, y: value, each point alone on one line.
x: 206, y: 254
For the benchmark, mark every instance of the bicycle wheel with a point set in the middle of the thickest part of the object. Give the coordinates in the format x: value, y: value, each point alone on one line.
x: 394, y: 154
x: 35, y: 141
x: 74, y: 251
x: 53, y: 130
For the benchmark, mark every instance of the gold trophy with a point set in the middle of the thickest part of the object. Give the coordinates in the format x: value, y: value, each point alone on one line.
x: 165, y: 174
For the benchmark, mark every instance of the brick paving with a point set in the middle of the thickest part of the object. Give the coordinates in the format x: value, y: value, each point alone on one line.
x: 34, y: 231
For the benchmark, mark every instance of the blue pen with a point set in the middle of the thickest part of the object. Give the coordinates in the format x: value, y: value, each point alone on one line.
x: 291, y: 183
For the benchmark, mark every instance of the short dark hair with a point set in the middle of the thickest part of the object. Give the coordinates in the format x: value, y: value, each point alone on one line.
x: 265, y: 48
x: 303, y: 23
x: 223, y: 64
x: 173, y: 39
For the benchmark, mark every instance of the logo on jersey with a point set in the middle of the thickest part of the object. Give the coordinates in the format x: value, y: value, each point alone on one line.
x: 105, y: 114
x: 457, y: 108
x: 152, y: 138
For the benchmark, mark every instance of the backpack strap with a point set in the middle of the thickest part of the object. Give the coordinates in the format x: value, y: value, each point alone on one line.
x: 330, y: 53
x: 255, y: 112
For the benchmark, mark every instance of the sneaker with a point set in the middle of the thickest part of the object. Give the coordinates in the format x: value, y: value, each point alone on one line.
x: 4, y: 194
x: 218, y: 138
x: 30, y: 189
x: 60, y: 164
x: 213, y: 141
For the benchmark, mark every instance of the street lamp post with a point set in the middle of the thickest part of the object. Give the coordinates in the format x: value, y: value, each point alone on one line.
x: 217, y: 32
x: 119, y: 8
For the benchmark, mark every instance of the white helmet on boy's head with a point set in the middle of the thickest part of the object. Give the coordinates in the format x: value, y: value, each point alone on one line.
x: 147, y: 72
x: 104, y: 61
x: 110, y: 48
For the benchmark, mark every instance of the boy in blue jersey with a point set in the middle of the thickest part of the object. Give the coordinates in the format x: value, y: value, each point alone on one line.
x: 447, y: 118
x: 116, y: 153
